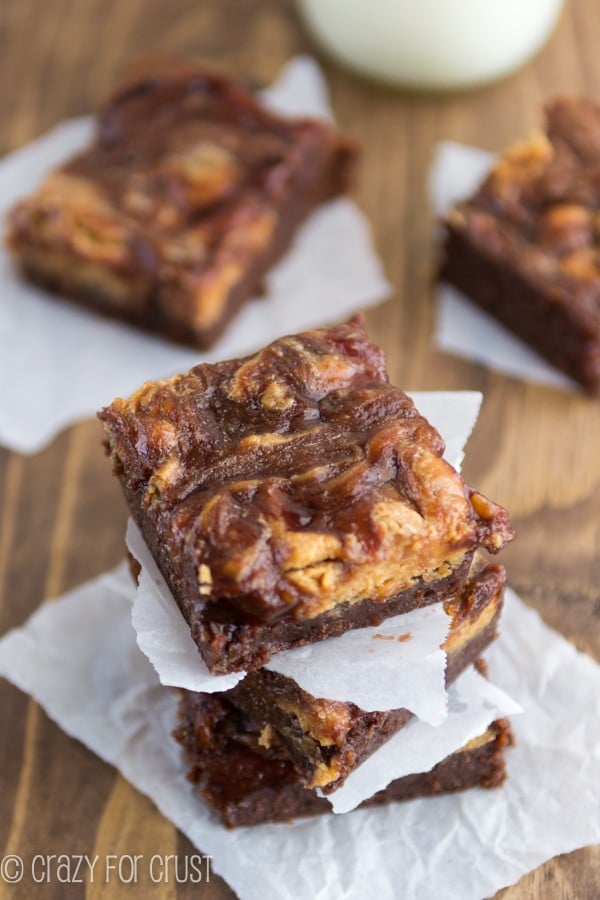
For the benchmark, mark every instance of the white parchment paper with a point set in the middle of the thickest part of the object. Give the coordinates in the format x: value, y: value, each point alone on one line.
x: 462, y: 328
x: 473, y: 703
x: 453, y: 414
x: 396, y: 665
x: 369, y: 667
x: 78, y: 657
x: 64, y: 363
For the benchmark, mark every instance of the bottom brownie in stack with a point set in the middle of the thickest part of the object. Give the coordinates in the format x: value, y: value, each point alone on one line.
x: 247, y: 783
x: 258, y: 751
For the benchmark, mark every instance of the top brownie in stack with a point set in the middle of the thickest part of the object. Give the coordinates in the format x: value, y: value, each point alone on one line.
x: 188, y: 193
x: 526, y: 246
x: 293, y: 495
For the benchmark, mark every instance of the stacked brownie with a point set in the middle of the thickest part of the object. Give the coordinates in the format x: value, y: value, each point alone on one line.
x: 248, y: 784
x: 287, y: 498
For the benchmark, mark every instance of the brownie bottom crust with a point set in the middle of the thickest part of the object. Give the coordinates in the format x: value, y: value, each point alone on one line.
x: 247, y: 784
x: 552, y: 328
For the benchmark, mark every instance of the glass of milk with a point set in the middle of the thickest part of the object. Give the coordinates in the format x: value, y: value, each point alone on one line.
x: 432, y: 44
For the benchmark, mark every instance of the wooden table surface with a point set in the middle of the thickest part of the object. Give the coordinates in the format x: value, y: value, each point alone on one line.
x: 62, y: 517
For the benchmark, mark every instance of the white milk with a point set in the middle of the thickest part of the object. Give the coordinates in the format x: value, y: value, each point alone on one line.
x: 432, y: 44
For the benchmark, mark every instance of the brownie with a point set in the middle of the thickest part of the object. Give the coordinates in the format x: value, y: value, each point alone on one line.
x: 188, y: 193
x: 329, y: 739
x: 526, y: 246
x: 294, y: 494
x: 249, y: 784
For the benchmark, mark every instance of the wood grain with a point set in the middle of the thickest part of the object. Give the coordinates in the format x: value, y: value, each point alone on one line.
x: 61, y: 514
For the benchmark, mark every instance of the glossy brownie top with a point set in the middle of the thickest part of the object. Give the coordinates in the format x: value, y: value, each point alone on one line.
x: 539, y: 207
x: 295, y: 479
x: 175, y: 140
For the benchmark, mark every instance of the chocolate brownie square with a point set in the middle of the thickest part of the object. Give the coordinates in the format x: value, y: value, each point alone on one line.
x: 247, y: 783
x: 188, y: 193
x: 526, y: 246
x: 293, y: 495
